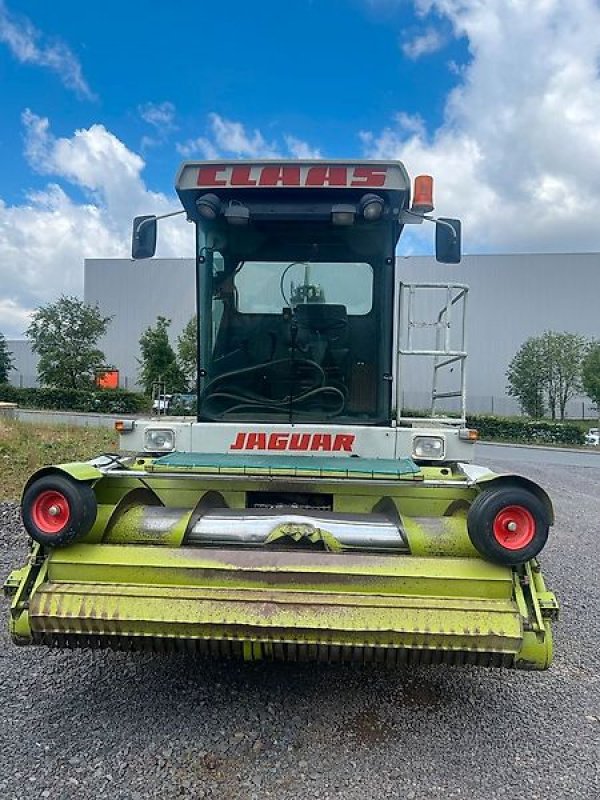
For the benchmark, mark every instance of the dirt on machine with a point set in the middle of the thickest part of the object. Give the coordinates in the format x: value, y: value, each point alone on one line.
x: 304, y: 514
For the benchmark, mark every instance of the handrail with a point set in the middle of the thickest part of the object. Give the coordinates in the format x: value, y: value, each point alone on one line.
x: 443, y: 354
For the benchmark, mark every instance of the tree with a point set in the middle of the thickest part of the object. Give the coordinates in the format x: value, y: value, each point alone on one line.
x: 591, y: 374
x: 6, y: 362
x: 546, y: 370
x: 158, y: 362
x: 527, y: 377
x: 65, y: 335
x: 187, y: 351
x: 563, y: 353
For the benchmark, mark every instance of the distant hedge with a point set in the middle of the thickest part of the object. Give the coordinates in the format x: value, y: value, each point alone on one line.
x: 106, y: 401
x: 517, y: 429
x: 119, y: 401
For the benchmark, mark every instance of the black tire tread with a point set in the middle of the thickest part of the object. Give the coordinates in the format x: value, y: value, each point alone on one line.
x: 480, y: 521
x: 82, y: 505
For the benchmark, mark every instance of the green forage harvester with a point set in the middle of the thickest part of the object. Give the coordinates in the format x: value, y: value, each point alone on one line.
x: 301, y: 514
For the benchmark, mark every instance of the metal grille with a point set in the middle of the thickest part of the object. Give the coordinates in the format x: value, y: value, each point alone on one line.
x: 312, y: 501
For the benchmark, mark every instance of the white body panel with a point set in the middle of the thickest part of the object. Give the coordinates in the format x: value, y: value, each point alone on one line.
x: 342, y: 441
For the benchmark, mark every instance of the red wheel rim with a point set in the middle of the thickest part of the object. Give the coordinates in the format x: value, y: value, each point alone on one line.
x: 50, y: 512
x: 514, y: 527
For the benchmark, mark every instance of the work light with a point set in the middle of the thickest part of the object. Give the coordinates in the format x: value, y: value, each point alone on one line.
x: 430, y: 447
x: 159, y: 439
x: 371, y: 207
x: 343, y: 214
x: 237, y: 214
x: 209, y: 206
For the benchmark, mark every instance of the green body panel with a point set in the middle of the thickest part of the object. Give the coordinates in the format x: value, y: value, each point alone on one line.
x: 126, y: 584
x: 130, y: 530
x: 78, y: 470
x: 343, y: 604
x: 288, y: 569
x: 430, y: 536
x: 435, y: 516
x: 492, y: 479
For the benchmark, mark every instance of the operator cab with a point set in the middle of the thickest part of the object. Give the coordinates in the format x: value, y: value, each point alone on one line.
x: 295, y: 287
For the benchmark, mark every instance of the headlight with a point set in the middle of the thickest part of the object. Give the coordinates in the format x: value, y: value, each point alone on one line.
x: 156, y: 439
x: 428, y: 447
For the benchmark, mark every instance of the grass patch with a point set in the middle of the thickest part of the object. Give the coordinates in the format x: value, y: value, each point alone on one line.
x: 24, y: 448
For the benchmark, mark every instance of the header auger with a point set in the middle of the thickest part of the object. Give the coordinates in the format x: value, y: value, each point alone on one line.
x: 302, y: 515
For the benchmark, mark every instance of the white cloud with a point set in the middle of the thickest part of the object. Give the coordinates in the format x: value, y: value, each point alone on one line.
x: 93, y: 159
x: 430, y: 41
x: 518, y: 155
x: 231, y: 138
x: 148, y: 142
x: 14, y: 317
x: 299, y: 149
x: 160, y: 115
x: 43, y: 242
x: 27, y: 45
x: 406, y: 123
x: 201, y: 147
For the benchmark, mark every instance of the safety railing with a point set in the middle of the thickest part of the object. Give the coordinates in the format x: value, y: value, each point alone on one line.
x: 445, y: 344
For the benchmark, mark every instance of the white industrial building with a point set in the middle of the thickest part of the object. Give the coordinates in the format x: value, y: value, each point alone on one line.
x: 511, y: 298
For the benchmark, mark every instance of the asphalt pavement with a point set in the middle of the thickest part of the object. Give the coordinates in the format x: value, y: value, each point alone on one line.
x: 490, y: 452
x: 97, y: 724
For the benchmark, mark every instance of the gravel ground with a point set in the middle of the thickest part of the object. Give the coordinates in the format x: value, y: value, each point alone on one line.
x: 112, y: 725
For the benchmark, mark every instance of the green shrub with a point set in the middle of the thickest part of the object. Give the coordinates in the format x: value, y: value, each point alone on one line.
x: 106, y: 401
x: 517, y: 429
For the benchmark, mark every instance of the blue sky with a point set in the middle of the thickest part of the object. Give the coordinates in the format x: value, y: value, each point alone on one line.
x: 500, y: 101
x: 321, y: 71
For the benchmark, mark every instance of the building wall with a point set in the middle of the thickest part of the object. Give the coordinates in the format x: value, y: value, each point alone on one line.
x: 135, y: 293
x: 24, y: 361
x: 511, y: 298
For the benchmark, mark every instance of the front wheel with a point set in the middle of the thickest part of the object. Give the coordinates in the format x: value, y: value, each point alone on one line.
x: 508, y: 525
x: 56, y: 510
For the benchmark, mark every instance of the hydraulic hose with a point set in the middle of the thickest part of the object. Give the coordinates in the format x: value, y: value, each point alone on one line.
x: 241, y: 400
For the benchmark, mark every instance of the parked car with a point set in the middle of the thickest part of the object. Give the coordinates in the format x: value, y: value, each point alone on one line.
x: 162, y: 403
x: 592, y: 437
x: 183, y: 403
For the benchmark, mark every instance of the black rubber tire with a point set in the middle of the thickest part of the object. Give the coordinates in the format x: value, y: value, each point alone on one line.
x: 483, y: 512
x: 82, y: 509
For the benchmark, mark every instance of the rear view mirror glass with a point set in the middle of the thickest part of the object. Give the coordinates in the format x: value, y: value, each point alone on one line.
x: 448, y: 241
x: 143, y: 239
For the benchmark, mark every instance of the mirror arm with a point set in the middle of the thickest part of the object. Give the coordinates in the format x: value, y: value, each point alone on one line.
x: 155, y: 219
x: 421, y: 217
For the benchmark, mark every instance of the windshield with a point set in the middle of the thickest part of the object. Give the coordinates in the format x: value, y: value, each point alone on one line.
x: 267, y: 286
x: 290, y: 341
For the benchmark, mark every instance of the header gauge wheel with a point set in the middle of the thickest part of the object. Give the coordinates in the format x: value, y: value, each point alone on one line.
x: 508, y: 525
x: 57, y: 510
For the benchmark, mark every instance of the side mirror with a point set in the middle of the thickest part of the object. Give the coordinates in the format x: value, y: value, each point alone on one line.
x: 448, y: 240
x: 143, y: 239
